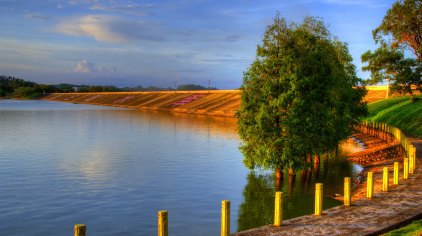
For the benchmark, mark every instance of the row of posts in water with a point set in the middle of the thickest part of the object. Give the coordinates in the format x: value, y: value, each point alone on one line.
x: 386, y: 132
x: 380, y: 130
x: 80, y: 229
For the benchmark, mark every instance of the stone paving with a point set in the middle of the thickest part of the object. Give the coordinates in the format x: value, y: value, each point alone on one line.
x: 385, y: 212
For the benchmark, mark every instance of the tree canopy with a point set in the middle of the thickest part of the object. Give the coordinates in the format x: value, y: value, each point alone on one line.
x: 403, y: 23
x: 400, y: 31
x: 14, y: 87
x: 298, y: 96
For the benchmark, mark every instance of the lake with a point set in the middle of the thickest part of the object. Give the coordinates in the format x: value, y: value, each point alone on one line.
x: 113, y: 169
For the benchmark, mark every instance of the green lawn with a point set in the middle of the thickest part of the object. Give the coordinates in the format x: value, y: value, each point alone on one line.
x: 400, y: 113
x: 414, y: 229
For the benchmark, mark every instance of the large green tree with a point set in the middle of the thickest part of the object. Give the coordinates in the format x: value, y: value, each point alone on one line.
x: 298, y: 96
x: 400, y: 31
x: 402, y: 26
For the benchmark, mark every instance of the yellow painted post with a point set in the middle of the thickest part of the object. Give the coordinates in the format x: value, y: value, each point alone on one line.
x: 396, y: 173
x: 385, y: 180
x: 318, y: 199
x: 382, y: 131
x: 225, y: 218
x: 406, y: 168
x: 278, y: 210
x: 411, y: 160
x: 347, y: 197
x: 414, y: 157
x: 372, y: 129
x: 163, y: 223
x: 79, y: 230
x: 370, y: 185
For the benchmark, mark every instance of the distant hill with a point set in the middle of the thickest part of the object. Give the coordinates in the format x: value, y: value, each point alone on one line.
x: 190, y: 87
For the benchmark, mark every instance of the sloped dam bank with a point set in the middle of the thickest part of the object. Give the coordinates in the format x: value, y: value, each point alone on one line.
x: 213, y: 102
x: 216, y: 103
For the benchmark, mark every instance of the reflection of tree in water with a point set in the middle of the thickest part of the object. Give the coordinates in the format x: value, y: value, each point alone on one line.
x: 258, y: 202
x: 257, y: 208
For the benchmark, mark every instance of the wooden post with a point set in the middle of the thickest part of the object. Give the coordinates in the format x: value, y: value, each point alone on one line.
x: 163, y: 223
x: 347, y: 197
x: 318, y: 199
x: 396, y: 173
x: 406, y: 168
x: 370, y: 185
x: 278, y: 211
x: 79, y: 230
x: 385, y: 180
x: 225, y: 218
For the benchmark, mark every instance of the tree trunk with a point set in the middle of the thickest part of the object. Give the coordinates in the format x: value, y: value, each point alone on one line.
x: 278, y: 184
x: 316, y: 159
x: 291, y: 172
x: 308, y: 158
x: 278, y: 173
x: 291, y: 182
x: 316, y: 169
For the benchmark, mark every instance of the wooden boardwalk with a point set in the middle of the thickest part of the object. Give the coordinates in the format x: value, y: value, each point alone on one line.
x: 384, y: 212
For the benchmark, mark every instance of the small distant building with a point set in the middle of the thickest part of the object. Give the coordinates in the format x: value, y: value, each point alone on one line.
x: 77, y: 88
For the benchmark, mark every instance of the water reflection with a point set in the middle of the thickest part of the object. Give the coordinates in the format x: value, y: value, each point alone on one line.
x: 211, y: 126
x: 257, y: 207
x: 113, y: 169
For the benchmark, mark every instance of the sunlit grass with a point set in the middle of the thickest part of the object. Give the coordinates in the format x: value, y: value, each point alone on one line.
x: 399, y: 112
x: 414, y: 229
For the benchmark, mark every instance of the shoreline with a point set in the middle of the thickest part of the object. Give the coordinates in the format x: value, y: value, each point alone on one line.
x: 384, y: 212
x: 368, y: 143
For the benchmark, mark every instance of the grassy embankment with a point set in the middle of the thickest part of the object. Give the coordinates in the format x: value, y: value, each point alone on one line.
x: 399, y: 112
x: 415, y: 228
x: 406, y: 116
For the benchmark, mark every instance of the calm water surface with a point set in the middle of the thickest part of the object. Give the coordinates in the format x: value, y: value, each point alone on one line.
x: 114, y: 169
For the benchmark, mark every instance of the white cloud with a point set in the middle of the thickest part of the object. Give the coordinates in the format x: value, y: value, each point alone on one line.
x: 110, y: 29
x: 97, y: 26
x: 86, y: 66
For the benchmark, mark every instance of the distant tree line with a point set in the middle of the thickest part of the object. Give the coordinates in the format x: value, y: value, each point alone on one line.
x: 19, y: 88
x: 139, y: 88
x: 12, y: 87
x: 194, y: 87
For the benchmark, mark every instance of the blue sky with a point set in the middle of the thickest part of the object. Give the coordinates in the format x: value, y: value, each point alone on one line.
x: 161, y: 42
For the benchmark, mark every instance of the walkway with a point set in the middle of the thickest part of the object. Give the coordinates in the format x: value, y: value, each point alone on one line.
x: 386, y: 211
